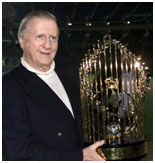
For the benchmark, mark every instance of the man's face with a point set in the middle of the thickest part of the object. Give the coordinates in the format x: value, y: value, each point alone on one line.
x: 40, y: 43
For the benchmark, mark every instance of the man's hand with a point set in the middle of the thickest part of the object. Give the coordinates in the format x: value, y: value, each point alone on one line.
x: 90, y: 152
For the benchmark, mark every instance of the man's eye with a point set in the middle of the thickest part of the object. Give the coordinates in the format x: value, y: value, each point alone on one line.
x: 53, y: 37
x: 40, y: 36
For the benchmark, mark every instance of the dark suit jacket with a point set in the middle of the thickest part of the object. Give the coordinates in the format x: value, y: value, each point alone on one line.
x: 36, y: 123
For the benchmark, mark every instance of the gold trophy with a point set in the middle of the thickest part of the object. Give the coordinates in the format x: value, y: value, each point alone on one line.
x: 113, y: 85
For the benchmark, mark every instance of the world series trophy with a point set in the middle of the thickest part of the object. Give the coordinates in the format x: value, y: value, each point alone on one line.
x: 113, y: 84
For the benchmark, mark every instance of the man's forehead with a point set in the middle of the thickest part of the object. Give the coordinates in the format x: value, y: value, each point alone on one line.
x: 37, y: 24
x: 39, y: 20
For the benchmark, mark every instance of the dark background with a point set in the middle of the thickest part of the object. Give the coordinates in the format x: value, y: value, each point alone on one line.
x: 76, y: 39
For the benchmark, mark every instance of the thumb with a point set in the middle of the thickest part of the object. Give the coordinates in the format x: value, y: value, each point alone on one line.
x: 98, y: 143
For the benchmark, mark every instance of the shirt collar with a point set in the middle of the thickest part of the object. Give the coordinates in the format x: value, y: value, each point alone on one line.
x: 30, y: 68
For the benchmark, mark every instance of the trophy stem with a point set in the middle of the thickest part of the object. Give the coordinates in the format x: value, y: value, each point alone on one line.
x: 90, y: 65
x: 87, y: 99
x: 115, y: 42
x: 122, y: 110
x: 107, y: 114
x: 103, y: 109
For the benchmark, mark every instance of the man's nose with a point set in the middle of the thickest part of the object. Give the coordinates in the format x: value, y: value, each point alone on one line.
x: 47, y: 43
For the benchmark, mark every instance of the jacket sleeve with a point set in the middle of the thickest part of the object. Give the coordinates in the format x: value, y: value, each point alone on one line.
x: 19, y: 142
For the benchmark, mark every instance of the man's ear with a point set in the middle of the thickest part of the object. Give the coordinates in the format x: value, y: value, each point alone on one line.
x: 21, y: 42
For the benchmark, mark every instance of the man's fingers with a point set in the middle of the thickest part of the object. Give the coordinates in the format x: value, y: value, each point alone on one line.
x: 99, y: 151
x: 91, y: 152
x: 98, y: 144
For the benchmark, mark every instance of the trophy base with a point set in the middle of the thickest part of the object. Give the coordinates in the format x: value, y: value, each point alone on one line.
x: 132, y: 151
x: 125, y: 152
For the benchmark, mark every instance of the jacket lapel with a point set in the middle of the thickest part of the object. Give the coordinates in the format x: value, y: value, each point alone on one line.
x: 35, y: 86
x: 74, y: 96
x: 69, y: 87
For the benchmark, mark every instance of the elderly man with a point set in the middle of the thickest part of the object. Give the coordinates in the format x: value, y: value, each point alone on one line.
x: 41, y: 99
